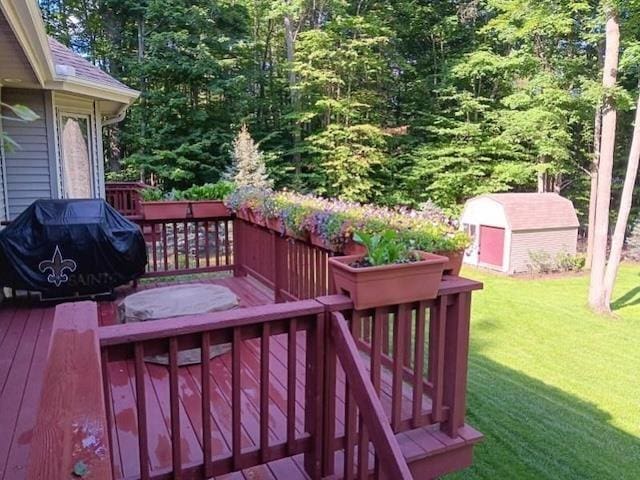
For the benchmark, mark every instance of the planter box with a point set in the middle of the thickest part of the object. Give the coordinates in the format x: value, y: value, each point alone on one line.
x: 165, y: 210
x: 275, y: 224
x: 256, y: 217
x: 371, y: 287
x: 354, y: 248
x: 453, y: 266
x: 209, y: 209
x: 319, y: 241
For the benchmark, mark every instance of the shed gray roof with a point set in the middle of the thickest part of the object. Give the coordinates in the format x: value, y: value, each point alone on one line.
x: 84, y: 70
x: 536, y: 211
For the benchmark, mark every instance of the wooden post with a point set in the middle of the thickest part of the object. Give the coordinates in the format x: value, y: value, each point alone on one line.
x: 456, y: 352
x: 314, y: 396
x: 72, y: 419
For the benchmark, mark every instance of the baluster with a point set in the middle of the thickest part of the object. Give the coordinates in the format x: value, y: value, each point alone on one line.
x: 196, y: 225
x: 141, y: 408
x: 164, y: 246
x: 205, y: 379
x: 176, y: 258
x: 174, y: 403
x: 154, y: 247
x: 236, y: 414
x: 186, y: 245
x: 418, y: 370
x: 363, y: 450
x: 227, y: 250
x: 436, y: 355
x: 216, y: 232
x: 264, y: 391
x: 206, y: 243
x: 349, y: 432
x: 377, y: 338
x: 399, y: 346
x: 291, y: 384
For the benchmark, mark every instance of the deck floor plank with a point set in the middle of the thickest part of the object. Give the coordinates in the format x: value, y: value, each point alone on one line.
x: 19, y: 401
x: 24, y: 338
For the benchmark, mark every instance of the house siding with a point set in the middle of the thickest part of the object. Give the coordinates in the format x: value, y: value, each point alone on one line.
x: 552, y: 241
x: 30, y: 169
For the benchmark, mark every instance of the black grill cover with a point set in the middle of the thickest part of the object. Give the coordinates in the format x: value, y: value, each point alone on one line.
x: 67, y: 247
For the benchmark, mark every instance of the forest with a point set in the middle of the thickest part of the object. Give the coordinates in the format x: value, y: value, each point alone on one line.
x: 392, y: 102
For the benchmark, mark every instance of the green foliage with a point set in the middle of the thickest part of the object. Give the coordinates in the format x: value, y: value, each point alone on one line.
x: 248, y: 168
x: 541, y: 262
x: 395, y: 103
x: 383, y: 248
x: 208, y: 191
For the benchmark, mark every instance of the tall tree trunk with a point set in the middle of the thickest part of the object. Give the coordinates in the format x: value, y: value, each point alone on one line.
x: 597, y: 299
x: 593, y: 194
x: 143, y: 88
x: 290, y: 43
x: 617, y: 242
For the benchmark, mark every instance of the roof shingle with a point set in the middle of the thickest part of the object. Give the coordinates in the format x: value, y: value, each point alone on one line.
x: 535, y: 211
x: 84, y: 70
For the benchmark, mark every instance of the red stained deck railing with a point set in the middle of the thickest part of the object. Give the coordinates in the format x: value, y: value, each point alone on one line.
x: 187, y: 246
x: 126, y: 197
x: 355, y: 360
x: 133, y: 342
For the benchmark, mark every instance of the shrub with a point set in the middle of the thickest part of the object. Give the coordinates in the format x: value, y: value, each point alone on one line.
x: 542, y: 262
x: 248, y: 168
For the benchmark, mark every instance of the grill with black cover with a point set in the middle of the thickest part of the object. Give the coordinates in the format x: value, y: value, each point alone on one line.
x: 70, y: 247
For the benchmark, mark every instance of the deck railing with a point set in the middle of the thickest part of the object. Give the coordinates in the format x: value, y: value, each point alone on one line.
x: 250, y: 328
x: 181, y: 246
x: 294, y: 269
x: 126, y: 197
x: 414, y: 374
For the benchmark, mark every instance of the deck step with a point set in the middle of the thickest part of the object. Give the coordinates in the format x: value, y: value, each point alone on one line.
x: 431, y: 453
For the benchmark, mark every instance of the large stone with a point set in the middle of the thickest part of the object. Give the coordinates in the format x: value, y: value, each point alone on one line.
x: 175, y: 301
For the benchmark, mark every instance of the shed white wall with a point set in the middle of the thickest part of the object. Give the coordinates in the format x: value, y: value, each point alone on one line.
x: 485, y: 211
x: 552, y: 241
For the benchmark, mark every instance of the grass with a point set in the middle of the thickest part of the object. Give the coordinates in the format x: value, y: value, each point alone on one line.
x: 554, y: 388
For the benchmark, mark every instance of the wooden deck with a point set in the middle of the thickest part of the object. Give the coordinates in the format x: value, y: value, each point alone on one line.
x: 24, y: 339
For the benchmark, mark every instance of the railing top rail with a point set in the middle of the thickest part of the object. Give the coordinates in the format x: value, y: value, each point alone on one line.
x: 185, y: 325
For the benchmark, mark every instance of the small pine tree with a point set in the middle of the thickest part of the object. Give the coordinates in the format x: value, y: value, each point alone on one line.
x: 247, y: 167
x: 633, y: 243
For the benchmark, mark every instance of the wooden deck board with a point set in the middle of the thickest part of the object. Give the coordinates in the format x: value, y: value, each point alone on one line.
x: 24, y: 339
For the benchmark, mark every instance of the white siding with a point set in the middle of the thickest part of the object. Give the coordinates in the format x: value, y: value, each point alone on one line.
x: 29, y: 168
x: 551, y: 241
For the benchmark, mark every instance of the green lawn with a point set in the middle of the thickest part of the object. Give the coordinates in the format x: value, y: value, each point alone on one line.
x: 554, y: 388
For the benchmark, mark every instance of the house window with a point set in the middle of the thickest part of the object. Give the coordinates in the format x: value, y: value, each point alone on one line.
x: 75, y: 155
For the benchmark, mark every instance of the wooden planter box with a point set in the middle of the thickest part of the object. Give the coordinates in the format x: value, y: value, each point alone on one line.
x: 275, y: 224
x: 165, y: 210
x: 371, y: 287
x: 209, y: 209
x: 454, y: 264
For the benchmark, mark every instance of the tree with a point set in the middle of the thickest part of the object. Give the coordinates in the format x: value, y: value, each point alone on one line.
x: 248, y: 168
x: 617, y: 241
x: 597, y: 290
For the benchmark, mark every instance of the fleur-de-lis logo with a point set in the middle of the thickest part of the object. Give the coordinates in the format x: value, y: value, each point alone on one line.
x: 57, y: 266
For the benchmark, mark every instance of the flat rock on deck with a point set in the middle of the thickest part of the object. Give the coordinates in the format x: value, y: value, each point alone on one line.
x: 175, y: 301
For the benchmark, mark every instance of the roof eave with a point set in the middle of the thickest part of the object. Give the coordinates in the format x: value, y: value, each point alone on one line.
x: 28, y: 27
x: 126, y: 96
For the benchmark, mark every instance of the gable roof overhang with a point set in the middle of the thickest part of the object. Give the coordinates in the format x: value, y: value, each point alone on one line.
x: 25, y: 19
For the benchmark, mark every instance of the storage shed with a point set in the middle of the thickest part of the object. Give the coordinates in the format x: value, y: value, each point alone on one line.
x: 506, y: 227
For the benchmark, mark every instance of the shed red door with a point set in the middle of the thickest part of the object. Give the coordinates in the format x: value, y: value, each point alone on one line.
x: 491, y: 245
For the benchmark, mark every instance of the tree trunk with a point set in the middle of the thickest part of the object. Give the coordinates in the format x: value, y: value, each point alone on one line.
x: 617, y: 242
x: 597, y: 299
x: 593, y: 195
x: 290, y: 43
